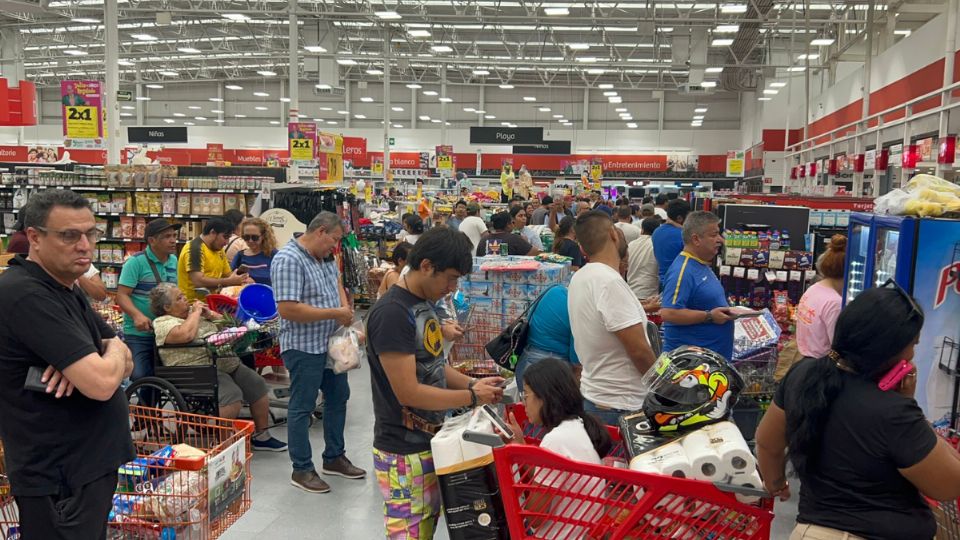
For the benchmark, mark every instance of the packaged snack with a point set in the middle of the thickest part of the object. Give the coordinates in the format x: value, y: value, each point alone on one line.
x: 183, y: 203
x: 118, y: 202
x: 143, y: 203
x: 140, y: 227
x: 169, y: 203
x: 127, y: 227
x: 155, y: 204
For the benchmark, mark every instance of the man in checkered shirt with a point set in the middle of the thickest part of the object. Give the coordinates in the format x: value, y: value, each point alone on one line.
x: 313, y: 305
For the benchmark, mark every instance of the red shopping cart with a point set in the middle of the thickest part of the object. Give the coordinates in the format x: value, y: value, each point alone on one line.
x: 548, y: 496
x: 267, y: 354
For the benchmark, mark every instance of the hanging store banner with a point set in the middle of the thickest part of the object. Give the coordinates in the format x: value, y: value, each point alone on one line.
x: 507, y: 136
x: 355, y: 149
x: 376, y: 166
x: 736, y: 163
x: 925, y: 146
x: 870, y: 160
x: 302, y: 141
x: 445, y: 159
x: 596, y: 169
x: 82, y: 109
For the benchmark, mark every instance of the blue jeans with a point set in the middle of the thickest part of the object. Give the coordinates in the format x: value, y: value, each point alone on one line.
x: 308, y: 375
x: 143, y: 349
x: 531, y: 355
x: 608, y: 416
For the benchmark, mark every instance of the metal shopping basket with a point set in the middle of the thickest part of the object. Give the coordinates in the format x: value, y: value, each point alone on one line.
x: 183, y: 497
x: 469, y: 355
x: 548, y: 496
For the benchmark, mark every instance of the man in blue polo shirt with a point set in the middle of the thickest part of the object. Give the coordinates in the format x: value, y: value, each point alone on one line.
x: 695, y: 309
x: 668, y: 238
x: 140, y: 274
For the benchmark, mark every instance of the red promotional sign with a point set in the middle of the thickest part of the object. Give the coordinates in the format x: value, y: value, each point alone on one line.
x: 214, y: 153
x: 948, y: 150
x: 859, y: 162
x: 355, y: 150
x: 248, y: 157
x: 13, y: 153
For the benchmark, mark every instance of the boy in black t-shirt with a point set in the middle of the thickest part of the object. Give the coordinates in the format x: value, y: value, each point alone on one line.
x: 413, y: 386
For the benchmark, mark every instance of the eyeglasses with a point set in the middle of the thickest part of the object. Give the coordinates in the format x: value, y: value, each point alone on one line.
x: 72, y: 236
x: 914, y: 307
x: 251, y: 237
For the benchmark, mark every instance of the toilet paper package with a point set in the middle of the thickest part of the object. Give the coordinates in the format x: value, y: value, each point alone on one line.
x: 729, y: 444
x: 750, y: 480
x: 672, y: 461
x: 704, y: 457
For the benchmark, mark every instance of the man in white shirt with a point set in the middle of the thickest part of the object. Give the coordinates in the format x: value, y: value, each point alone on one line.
x: 642, y: 275
x: 625, y: 223
x: 661, y: 208
x: 473, y: 226
x: 608, y: 324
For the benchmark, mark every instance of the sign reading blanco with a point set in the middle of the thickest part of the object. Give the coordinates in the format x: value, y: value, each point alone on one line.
x: 157, y: 134
x: 506, y: 136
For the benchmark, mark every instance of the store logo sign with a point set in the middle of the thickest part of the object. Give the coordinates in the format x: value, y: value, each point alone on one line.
x: 949, y: 279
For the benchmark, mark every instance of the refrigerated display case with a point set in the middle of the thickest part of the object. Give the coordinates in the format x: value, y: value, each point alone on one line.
x: 857, y: 259
x: 923, y: 256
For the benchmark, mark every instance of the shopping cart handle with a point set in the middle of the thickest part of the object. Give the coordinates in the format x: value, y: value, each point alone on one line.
x: 742, y: 490
x: 488, y: 439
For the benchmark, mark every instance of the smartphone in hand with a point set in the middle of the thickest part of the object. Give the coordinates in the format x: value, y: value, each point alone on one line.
x: 895, y: 375
x: 243, y: 269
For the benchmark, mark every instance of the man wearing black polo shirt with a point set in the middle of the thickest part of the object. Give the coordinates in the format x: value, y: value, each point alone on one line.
x: 64, y: 442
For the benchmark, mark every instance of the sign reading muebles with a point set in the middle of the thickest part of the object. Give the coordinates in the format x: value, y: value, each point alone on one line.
x: 507, y: 136
x: 157, y: 134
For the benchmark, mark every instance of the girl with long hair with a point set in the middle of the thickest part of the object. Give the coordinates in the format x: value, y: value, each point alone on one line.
x: 865, y: 457
x: 399, y: 259
x: 566, y: 242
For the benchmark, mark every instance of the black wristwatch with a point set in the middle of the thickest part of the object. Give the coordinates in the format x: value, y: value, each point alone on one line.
x: 471, y: 384
x: 473, y: 397
x: 709, y: 318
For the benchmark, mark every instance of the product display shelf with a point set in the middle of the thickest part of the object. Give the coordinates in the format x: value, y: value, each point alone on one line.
x: 134, y: 190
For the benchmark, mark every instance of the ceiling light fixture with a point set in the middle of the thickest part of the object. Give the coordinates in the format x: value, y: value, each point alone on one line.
x: 216, y: 99
x: 469, y: 109
x: 126, y: 63
x: 396, y: 109
x: 388, y: 15
x: 709, y: 84
x: 332, y: 122
x: 261, y: 108
x: 189, y: 124
x: 632, y: 125
x: 615, y: 99
x: 142, y: 98
x: 233, y: 87
x: 529, y: 98
x: 558, y: 116
x: 578, y: 46
x: 189, y: 50
x: 823, y: 41
x: 267, y: 73
x: 727, y: 29
x: 713, y: 70
x: 446, y: 100
x: 700, y: 110
x: 764, y: 99
x: 556, y: 11
x: 490, y: 117
x: 315, y: 49
x: 506, y: 86
x: 813, y: 56
x: 143, y: 37
x: 587, y: 59
x: 425, y: 118
x: 194, y: 107
x: 609, y: 93
x: 284, y: 100
x: 128, y: 107
x: 168, y: 120
x: 771, y: 91
x: 398, y: 126
x: 85, y: 20
x: 733, y: 8
x: 418, y: 33
x: 274, y: 122
x: 239, y: 116
x: 414, y: 86
x: 179, y: 114
x: 777, y: 84
x: 596, y: 71
x: 75, y: 52
x: 374, y: 71
x: 621, y: 109
x: 216, y: 111
x: 480, y: 72
x: 796, y: 69
x: 200, y: 118
x: 441, y: 48
x: 169, y: 73
x: 360, y: 116
x: 698, y: 117
x: 544, y: 109
x: 236, y: 17
x: 721, y: 42
x: 261, y: 94
x: 155, y: 86
x: 430, y: 93
x: 325, y: 109
x: 366, y: 99
x: 343, y: 112
x: 605, y: 86
x: 346, y: 61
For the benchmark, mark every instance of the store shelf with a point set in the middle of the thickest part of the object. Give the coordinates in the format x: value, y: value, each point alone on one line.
x: 132, y: 240
x: 135, y: 190
x: 174, y: 216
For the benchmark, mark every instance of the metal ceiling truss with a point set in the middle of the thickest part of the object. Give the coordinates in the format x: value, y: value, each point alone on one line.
x: 630, y: 41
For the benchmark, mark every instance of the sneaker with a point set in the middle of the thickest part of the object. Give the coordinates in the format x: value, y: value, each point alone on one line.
x: 309, y: 481
x: 342, y: 467
x: 269, y: 445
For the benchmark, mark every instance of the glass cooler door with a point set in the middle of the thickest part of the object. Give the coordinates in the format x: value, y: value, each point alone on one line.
x: 858, y: 255
x: 885, y: 262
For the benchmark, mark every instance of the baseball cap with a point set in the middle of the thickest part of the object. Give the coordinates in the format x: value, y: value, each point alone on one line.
x: 159, y: 225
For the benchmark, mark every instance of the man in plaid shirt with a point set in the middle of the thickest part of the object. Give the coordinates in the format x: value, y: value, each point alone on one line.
x: 312, y: 306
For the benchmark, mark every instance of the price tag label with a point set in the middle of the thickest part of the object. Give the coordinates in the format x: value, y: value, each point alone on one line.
x: 771, y: 276
x: 811, y: 274
x: 725, y: 270
x: 776, y: 259
x: 782, y: 275
x: 301, y: 149
x: 731, y: 256
x: 753, y: 274
x: 795, y: 275
x: 739, y: 271
x: 83, y: 122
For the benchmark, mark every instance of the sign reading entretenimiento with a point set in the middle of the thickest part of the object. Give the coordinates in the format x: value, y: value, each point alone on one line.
x: 507, y: 136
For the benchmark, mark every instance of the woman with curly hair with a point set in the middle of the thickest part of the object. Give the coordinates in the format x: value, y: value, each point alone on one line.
x: 261, y: 247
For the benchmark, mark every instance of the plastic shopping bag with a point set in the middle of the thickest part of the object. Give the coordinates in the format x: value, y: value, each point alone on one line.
x: 347, y: 347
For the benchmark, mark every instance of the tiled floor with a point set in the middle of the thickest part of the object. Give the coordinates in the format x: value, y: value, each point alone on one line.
x: 353, y: 509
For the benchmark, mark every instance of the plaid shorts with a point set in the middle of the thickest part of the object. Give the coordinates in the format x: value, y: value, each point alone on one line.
x: 411, y: 494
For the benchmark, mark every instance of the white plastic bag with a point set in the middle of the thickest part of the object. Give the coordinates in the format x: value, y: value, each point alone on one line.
x: 893, y: 203
x: 347, y: 347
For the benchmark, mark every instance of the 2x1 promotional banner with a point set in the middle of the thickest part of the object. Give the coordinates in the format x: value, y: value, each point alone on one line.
x: 302, y: 141
x: 736, y: 164
x: 82, y: 108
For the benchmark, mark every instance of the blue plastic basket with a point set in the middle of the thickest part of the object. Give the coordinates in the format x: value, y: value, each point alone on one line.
x: 256, y: 302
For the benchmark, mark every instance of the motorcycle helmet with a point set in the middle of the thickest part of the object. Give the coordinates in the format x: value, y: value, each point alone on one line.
x: 691, y: 387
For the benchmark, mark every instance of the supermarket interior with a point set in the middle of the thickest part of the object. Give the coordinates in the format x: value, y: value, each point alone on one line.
x: 480, y: 269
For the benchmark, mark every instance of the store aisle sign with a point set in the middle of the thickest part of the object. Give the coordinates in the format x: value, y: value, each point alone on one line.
x: 302, y: 140
x: 736, y: 162
x: 82, y: 109
x: 156, y: 134
x: 355, y: 149
x: 560, y: 148
x: 506, y: 136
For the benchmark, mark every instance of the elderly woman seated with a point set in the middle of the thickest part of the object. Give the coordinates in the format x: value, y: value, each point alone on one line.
x: 180, y: 323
